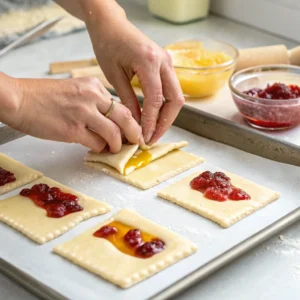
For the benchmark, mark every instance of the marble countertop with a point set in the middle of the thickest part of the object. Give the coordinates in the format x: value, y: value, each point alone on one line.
x: 272, y: 270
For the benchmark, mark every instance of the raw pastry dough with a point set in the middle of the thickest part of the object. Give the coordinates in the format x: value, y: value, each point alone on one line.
x: 99, y: 256
x: 22, y: 173
x: 119, y: 160
x: 156, y: 172
x: 224, y: 213
x: 25, y: 216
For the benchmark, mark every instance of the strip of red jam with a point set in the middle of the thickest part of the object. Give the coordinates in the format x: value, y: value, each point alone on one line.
x: 277, y: 91
x: 6, y: 177
x: 131, y: 241
x: 57, y: 203
x: 217, y: 186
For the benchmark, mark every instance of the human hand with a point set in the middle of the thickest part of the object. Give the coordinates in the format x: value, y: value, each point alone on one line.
x: 123, y: 51
x: 71, y: 110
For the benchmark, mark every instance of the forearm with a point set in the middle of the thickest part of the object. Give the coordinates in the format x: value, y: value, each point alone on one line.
x: 91, y: 11
x: 10, y: 98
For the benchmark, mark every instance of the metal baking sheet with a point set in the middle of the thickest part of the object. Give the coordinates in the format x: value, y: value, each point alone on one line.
x: 56, y: 278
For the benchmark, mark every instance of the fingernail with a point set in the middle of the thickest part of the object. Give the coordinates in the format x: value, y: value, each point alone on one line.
x: 141, y: 140
x: 148, y: 136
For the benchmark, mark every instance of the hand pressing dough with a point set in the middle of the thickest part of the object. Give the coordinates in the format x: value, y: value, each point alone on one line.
x: 119, y: 160
x: 224, y: 213
x: 25, y: 216
x: 22, y: 173
x: 156, y: 172
x: 101, y: 257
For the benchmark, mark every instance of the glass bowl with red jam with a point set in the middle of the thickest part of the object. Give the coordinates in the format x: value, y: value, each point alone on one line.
x: 268, y: 96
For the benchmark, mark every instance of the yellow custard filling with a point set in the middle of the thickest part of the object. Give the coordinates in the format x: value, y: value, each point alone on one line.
x: 139, y: 161
x: 192, y: 64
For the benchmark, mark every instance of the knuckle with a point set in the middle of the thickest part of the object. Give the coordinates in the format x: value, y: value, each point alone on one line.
x: 147, y: 121
x: 157, y: 100
x: 152, y: 55
x: 179, y: 100
x: 90, y: 87
x: 126, y: 115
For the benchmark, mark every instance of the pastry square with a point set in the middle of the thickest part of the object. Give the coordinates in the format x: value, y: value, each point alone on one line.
x: 100, y: 256
x: 22, y: 173
x: 224, y: 213
x: 156, y: 172
x: 25, y: 216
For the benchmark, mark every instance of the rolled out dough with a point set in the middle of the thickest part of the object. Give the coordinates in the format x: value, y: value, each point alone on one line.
x: 224, y: 213
x: 101, y: 257
x: 25, y: 216
x: 22, y: 173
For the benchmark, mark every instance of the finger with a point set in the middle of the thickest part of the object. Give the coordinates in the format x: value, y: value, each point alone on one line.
x: 108, y: 130
x: 127, y: 95
x: 122, y: 116
x: 91, y: 140
x: 174, y: 102
x: 153, y: 100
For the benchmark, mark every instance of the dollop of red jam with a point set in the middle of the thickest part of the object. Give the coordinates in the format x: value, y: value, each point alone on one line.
x: 276, y: 91
x: 133, y: 238
x: 148, y: 249
x: 131, y: 241
x: 106, y: 231
x: 217, y: 186
x: 57, y: 203
x: 6, y: 177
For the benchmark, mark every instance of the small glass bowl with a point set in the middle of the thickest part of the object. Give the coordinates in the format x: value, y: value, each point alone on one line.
x: 267, y: 114
x: 199, y: 82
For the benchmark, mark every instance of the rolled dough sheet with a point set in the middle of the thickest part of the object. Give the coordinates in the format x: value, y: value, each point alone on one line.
x: 119, y: 160
x: 224, y: 213
x: 25, y: 216
x: 22, y: 173
x: 101, y: 257
x: 156, y: 172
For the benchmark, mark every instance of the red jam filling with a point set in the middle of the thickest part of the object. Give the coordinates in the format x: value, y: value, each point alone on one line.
x: 6, y: 177
x: 276, y: 91
x: 217, y: 186
x: 57, y: 203
x: 130, y: 240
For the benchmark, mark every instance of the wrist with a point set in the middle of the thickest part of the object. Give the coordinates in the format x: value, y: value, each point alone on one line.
x: 10, y: 98
x: 101, y: 12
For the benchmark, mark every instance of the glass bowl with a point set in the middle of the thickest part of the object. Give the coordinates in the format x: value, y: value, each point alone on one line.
x: 268, y: 114
x: 205, y: 80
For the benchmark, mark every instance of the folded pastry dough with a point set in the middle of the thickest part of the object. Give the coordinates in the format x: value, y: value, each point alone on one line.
x: 119, y: 160
x: 166, y: 161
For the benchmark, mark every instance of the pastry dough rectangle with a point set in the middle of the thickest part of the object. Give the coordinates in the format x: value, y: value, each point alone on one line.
x: 101, y: 257
x: 22, y: 173
x: 156, y: 172
x: 25, y: 216
x: 224, y: 213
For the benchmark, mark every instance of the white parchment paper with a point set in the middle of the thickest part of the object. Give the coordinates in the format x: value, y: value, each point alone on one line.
x: 64, y: 163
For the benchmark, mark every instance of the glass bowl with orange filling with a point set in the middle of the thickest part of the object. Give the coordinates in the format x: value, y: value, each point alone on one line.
x: 203, y: 67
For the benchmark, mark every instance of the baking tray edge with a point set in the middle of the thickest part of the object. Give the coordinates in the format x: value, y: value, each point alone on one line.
x: 228, y: 256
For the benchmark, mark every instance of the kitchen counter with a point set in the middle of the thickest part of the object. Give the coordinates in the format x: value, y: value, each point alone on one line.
x: 272, y: 270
